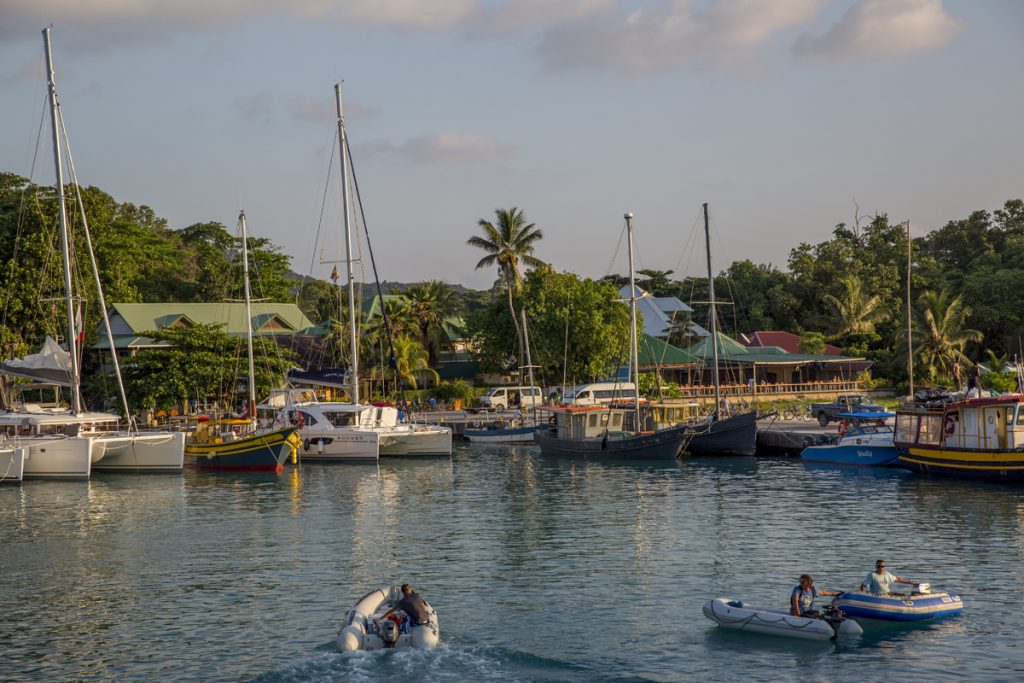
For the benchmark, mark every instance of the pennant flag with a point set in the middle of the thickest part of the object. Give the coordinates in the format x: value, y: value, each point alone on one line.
x: 334, y: 274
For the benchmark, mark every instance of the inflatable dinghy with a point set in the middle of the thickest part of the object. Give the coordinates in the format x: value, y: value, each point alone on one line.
x: 740, y: 616
x: 920, y: 604
x: 366, y: 629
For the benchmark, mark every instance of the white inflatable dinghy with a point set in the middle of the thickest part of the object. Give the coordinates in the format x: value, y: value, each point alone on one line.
x: 738, y: 615
x: 365, y: 629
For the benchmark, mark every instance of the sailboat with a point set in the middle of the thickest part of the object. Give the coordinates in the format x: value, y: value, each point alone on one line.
x: 236, y: 444
x: 340, y: 431
x: 617, y: 430
x: 71, y: 443
x: 721, y: 433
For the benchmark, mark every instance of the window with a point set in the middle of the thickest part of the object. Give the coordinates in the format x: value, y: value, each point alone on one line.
x: 906, y: 427
x: 617, y: 420
x: 307, y: 419
x: 593, y: 419
x: 930, y: 432
x: 1020, y: 415
x: 604, y: 419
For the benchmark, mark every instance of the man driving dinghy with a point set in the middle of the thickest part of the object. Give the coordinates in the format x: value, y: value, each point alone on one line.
x: 413, y: 605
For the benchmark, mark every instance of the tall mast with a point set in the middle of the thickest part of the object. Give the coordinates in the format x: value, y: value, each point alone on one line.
x: 76, y: 401
x: 910, y: 341
x: 634, y: 375
x: 346, y: 222
x: 526, y: 340
x: 251, y: 405
x: 711, y: 301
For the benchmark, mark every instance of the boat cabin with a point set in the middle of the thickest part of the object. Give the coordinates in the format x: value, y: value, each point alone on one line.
x: 985, y: 424
x: 576, y: 423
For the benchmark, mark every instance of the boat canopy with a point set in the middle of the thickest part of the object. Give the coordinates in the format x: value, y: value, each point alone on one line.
x: 52, y: 365
x: 326, y: 377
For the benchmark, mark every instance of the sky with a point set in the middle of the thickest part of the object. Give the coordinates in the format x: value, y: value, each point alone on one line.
x: 786, y: 116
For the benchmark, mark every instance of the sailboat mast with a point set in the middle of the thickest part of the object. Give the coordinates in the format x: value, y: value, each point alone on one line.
x: 251, y: 405
x: 910, y: 340
x: 526, y: 340
x: 634, y: 375
x: 714, y: 323
x: 346, y: 222
x: 76, y: 401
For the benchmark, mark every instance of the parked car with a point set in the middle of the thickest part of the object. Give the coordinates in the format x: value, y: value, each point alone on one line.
x: 503, y: 397
x: 847, y: 403
x: 598, y: 393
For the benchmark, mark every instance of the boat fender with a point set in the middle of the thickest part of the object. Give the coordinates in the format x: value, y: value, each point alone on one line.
x: 842, y: 428
x: 950, y: 426
x: 305, y: 445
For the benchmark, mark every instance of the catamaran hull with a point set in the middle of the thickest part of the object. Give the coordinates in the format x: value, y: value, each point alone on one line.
x: 416, y: 441
x: 60, y: 458
x: 257, y: 453
x: 12, y: 465
x: 338, y: 447
x: 157, y: 452
x: 663, y: 445
x: 735, y: 435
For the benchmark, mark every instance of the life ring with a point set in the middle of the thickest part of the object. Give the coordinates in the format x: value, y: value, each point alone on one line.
x: 950, y: 426
x: 842, y: 427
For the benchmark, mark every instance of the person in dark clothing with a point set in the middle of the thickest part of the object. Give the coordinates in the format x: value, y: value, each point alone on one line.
x: 974, y: 377
x: 413, y: 605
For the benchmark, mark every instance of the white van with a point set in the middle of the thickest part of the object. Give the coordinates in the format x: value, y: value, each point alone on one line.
x: 503, y: 397
x: 598, y: 393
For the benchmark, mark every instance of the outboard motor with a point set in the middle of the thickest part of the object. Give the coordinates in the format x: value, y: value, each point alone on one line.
x: 833, y: 616
x: 389, y: 632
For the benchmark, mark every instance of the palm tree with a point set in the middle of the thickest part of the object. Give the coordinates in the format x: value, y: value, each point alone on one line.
x: 507, y: 244
x: 939, y: 335
x: 411, y: 361
x: 429, y: 304
x: 856, y: 312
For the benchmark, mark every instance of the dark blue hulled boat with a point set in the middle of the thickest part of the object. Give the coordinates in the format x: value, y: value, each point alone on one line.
x: 864, y: 440
x: 920, y: 604
x: 605, y: 432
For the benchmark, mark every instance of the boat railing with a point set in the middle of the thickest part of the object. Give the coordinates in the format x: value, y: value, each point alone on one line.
x: 777, y: 390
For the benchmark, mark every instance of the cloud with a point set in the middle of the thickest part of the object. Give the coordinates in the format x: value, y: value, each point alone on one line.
x: 257, y: 107
x: 454, y: 148
x: 440, y: 148
x: 883, y: 27
x: 660, y: 35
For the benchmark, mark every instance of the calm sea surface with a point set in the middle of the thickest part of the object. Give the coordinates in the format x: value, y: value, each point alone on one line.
x: 540, y: 569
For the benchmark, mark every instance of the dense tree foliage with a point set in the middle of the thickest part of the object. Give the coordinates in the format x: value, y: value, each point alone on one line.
x: 563, y: 312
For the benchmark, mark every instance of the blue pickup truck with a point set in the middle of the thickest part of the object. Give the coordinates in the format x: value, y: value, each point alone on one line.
x: 847, y: 403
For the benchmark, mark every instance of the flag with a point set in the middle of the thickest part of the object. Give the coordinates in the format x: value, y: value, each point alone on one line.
x: 334, y: 274
x: 79, y: 327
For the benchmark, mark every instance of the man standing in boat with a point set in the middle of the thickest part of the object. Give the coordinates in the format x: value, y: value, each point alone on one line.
x: 879, y: 582
x: 413, y: 605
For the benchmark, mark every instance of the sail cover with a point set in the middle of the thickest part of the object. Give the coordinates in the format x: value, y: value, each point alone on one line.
x: 326, y: 377
x: 52, y: 365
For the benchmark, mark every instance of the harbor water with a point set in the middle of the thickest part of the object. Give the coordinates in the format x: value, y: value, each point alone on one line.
x: 540, y: 570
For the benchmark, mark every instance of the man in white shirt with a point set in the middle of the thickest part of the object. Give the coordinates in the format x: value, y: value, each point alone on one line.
x: 879, y: 582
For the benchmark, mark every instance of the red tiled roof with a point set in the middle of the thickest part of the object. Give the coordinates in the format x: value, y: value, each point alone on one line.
x: 787, y: 341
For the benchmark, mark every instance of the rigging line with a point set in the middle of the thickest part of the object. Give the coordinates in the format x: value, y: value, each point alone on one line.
x: 392, y: 362
x: 323, y: 204
x: 615, y: 255
x: 96, y: 275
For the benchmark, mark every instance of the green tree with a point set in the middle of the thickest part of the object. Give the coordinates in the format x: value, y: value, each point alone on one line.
x: 939, y: 336
x: 201, y: 363
x: 509, y: 243
x: 856, y: 311
x: 564, y: 311
x: 430, y: 303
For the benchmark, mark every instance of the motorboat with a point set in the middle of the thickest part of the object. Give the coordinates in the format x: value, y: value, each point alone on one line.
x: 919, y: 604
x: 865, y: 439
x: 365, y: 627
x: 500, y: 431
x: 12, y: 465
x: 741, y: 616
x: 231, y: 445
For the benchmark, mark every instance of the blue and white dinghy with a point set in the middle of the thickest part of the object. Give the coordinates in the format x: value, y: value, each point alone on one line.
x: 920, y: 604
x: 366, y: 628
x: 741, y: 616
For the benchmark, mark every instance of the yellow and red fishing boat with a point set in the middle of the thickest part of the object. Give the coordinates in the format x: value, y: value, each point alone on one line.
x: 231, y: 445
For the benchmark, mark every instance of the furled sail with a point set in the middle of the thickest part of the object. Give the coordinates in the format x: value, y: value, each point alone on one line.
x: 327, y: 377
x: 52, y: 365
